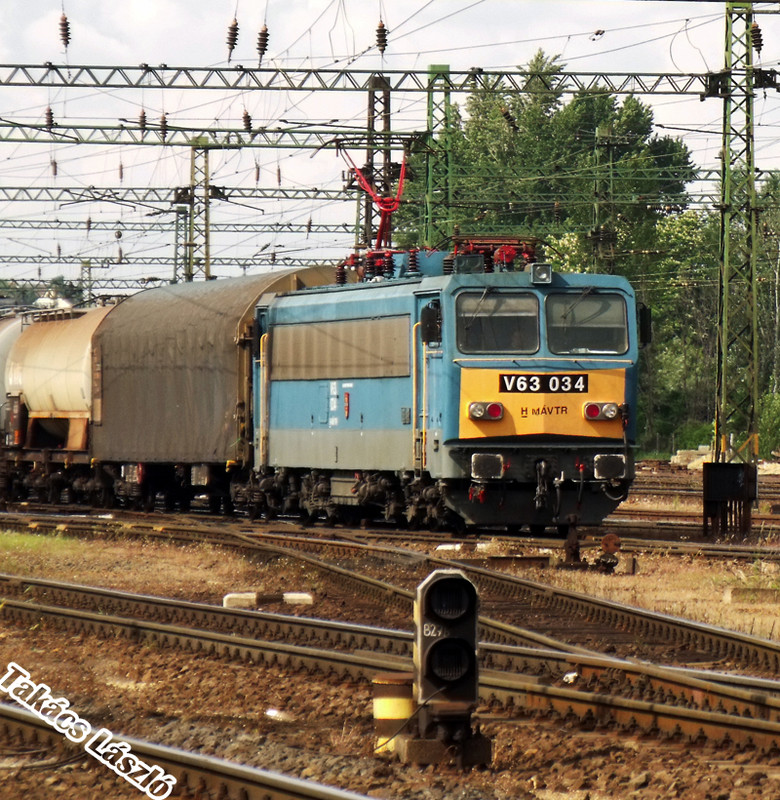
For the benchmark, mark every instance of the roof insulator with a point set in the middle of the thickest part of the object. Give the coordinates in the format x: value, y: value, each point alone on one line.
x: 262, y: 44
x: 232, y: 37
x: 757, y: 38
x: 64, y: 31
x: 247, y: 121
x: 381, y: 37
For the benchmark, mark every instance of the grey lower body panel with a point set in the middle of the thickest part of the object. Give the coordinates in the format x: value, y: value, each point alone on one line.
x: 342, y: 450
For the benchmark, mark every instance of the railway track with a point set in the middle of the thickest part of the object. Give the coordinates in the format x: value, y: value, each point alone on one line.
x: 720, y: 709
x: 197, y: 776
x: 547, y: 612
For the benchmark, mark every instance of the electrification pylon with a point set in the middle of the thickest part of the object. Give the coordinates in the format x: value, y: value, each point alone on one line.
x: 736, y: 429
x: 730, y: 481
x: 437, y: 220
x: 193, y: 204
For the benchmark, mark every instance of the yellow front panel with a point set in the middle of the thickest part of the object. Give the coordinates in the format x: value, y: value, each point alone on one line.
x: 531, y: 413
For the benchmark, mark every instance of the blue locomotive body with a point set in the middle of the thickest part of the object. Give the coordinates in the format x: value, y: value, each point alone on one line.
x: 503, y: 398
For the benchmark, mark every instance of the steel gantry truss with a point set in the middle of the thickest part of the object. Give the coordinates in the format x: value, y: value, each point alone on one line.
x: 240, y: 78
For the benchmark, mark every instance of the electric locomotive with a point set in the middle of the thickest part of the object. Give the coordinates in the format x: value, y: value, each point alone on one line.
x: 469, y: 387
x: 449, y: 389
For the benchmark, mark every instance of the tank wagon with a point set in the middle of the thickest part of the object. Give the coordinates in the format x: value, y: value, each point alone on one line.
x: 442, y: 388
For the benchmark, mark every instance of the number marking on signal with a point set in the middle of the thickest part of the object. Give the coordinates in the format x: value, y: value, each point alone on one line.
x: 432, y: 631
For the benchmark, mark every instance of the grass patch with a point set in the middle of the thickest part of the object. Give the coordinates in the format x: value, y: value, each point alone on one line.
x: 11, y: 541
x: 28, y: 553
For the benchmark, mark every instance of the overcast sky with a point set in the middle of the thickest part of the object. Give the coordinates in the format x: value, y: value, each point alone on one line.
x: 605, y: 36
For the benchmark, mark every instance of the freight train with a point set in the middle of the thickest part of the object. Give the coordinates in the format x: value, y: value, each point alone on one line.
x: 467, y: 387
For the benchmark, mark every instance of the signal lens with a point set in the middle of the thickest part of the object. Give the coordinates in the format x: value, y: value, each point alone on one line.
x: 450, y: 660
x: 477, y: 410
x: 450, y: 599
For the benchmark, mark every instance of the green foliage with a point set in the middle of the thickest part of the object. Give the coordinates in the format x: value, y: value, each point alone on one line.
x: 70, y: 291
x: 769, y: 425
x: 692, y: 434
x: 588, y: 176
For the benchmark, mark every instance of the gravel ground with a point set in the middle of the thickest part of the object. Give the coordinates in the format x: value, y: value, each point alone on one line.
x: 314, y: 728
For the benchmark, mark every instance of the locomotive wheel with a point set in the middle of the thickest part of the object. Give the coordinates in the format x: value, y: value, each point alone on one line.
x: 103, y: 497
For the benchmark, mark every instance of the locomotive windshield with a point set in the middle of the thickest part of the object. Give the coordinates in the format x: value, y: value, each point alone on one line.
x: 492, y: 322
x: 588, y: 322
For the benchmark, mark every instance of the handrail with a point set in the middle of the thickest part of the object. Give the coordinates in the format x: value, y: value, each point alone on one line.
x: 264, y: 398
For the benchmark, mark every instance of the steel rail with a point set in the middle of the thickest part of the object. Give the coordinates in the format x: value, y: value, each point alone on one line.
x: 739, y: 694
x: 752, y: 651
x: 747, y: 650
x: 510, y: 691
x: 649, y: 717
x: 242, y: 622
x: 192, y: 639
x: 201, y: 775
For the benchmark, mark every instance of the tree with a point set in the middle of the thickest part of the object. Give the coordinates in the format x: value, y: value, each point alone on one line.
x: 530, y: 164
x: 589, y: 177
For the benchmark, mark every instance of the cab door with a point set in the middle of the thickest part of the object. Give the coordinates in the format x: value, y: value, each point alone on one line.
x: 427, y: 354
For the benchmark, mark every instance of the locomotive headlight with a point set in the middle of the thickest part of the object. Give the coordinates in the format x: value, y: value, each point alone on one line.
x: 486, y: 411
x: 600, y: 411
x: 609, y: 410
